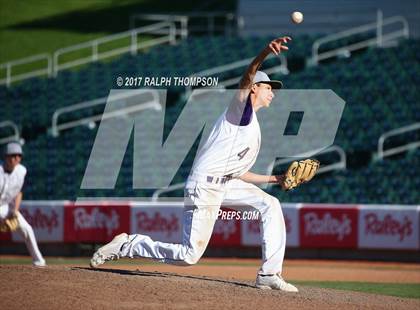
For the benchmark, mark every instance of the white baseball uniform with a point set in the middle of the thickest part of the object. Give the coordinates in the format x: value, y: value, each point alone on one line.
x: 229, y: 152
x: 10, y: 186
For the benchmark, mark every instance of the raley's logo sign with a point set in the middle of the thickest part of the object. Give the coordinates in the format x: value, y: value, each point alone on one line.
x: 95, y: 223
x: 226, y: 232
x: 41, y: 220
x: 254, y: 226
x: 225, y: 228
x: 157, y: 222
x: 388, y: 226
x: 328, y: 227
x: 95, y: 220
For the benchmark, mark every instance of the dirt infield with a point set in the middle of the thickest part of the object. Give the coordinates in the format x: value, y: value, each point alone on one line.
x: 302, y: 270
x: 213, y: 284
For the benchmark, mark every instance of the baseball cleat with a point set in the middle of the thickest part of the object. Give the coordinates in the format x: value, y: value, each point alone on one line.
x: 109, y: 251
x: 275, y: 282
x: 39, y: 263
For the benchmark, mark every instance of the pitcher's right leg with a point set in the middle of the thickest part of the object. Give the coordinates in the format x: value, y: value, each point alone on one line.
x: 200, y: 214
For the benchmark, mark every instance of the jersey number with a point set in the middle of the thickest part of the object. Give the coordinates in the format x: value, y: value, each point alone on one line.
x: 242, y: 154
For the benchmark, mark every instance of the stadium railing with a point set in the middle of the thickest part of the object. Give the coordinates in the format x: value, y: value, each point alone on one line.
x: 148, y: 104
x: 169, y: 37
x: 379, y: 39
x: 14, y: 137
x: 399, y: 149
x: 8, y: 66
x: 174, y: 187
x: 167, y: 30
x: 230, y: 22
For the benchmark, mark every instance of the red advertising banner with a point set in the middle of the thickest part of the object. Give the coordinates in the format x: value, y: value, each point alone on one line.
x: 5, y: 236
x: 159, y: 222
x: 388, y: 227
x: 95, y: 222
x: 226, y: 232
x: 46, y: 219
x: 251, y: 229
x: 307, y: 225
x: 328, y: 226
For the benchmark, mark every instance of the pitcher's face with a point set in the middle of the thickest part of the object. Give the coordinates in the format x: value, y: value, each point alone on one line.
x: 263, y: 94
x: 11, y: 161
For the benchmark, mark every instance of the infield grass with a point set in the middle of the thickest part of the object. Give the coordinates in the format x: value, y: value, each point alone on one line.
x: 406, y: 290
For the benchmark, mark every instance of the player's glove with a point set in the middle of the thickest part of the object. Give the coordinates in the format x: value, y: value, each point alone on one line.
x: 299, y: 172
x: 9, y: 224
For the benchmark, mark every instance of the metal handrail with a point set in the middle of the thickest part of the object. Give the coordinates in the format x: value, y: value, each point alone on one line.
x: 184, y: 19
x: 133, y: 47
x: 14, y: 137
x: 340, y: 165
x: 157, y: 193
x: 36, y: 58
x: 378, y: 40
x: 399, y: 149
x: 152, y: 104
x: 53, y: 65
x: 238, y: 64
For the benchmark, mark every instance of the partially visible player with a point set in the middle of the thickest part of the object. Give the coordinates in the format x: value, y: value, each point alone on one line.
x: 12, y: 177
x: 221, y: 174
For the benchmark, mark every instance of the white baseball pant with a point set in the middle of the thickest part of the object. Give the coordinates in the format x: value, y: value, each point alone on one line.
x: 26, y: 232
x: 204, y: 198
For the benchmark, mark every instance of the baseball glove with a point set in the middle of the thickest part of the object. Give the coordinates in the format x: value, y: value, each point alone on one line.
x: 299, y: 172
x: 9, y: 224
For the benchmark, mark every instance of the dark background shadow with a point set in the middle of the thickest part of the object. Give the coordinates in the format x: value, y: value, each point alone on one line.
x: 116, y: 18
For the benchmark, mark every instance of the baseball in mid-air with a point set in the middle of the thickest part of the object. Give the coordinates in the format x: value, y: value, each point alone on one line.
x: 297, y: 17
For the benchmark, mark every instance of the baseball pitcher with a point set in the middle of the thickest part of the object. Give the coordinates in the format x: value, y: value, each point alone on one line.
x: 221, y: 175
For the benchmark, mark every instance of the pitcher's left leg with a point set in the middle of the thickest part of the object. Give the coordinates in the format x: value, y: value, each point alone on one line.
x: 27, y: 233
x: 241, y: 195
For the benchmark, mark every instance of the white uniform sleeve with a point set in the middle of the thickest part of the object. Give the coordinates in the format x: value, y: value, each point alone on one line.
x: 2, y: 183
x: 21, y: 171
x: 13, y: 184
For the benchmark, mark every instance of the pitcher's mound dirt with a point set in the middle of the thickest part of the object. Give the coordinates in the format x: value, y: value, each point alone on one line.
x: 25, y: 287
